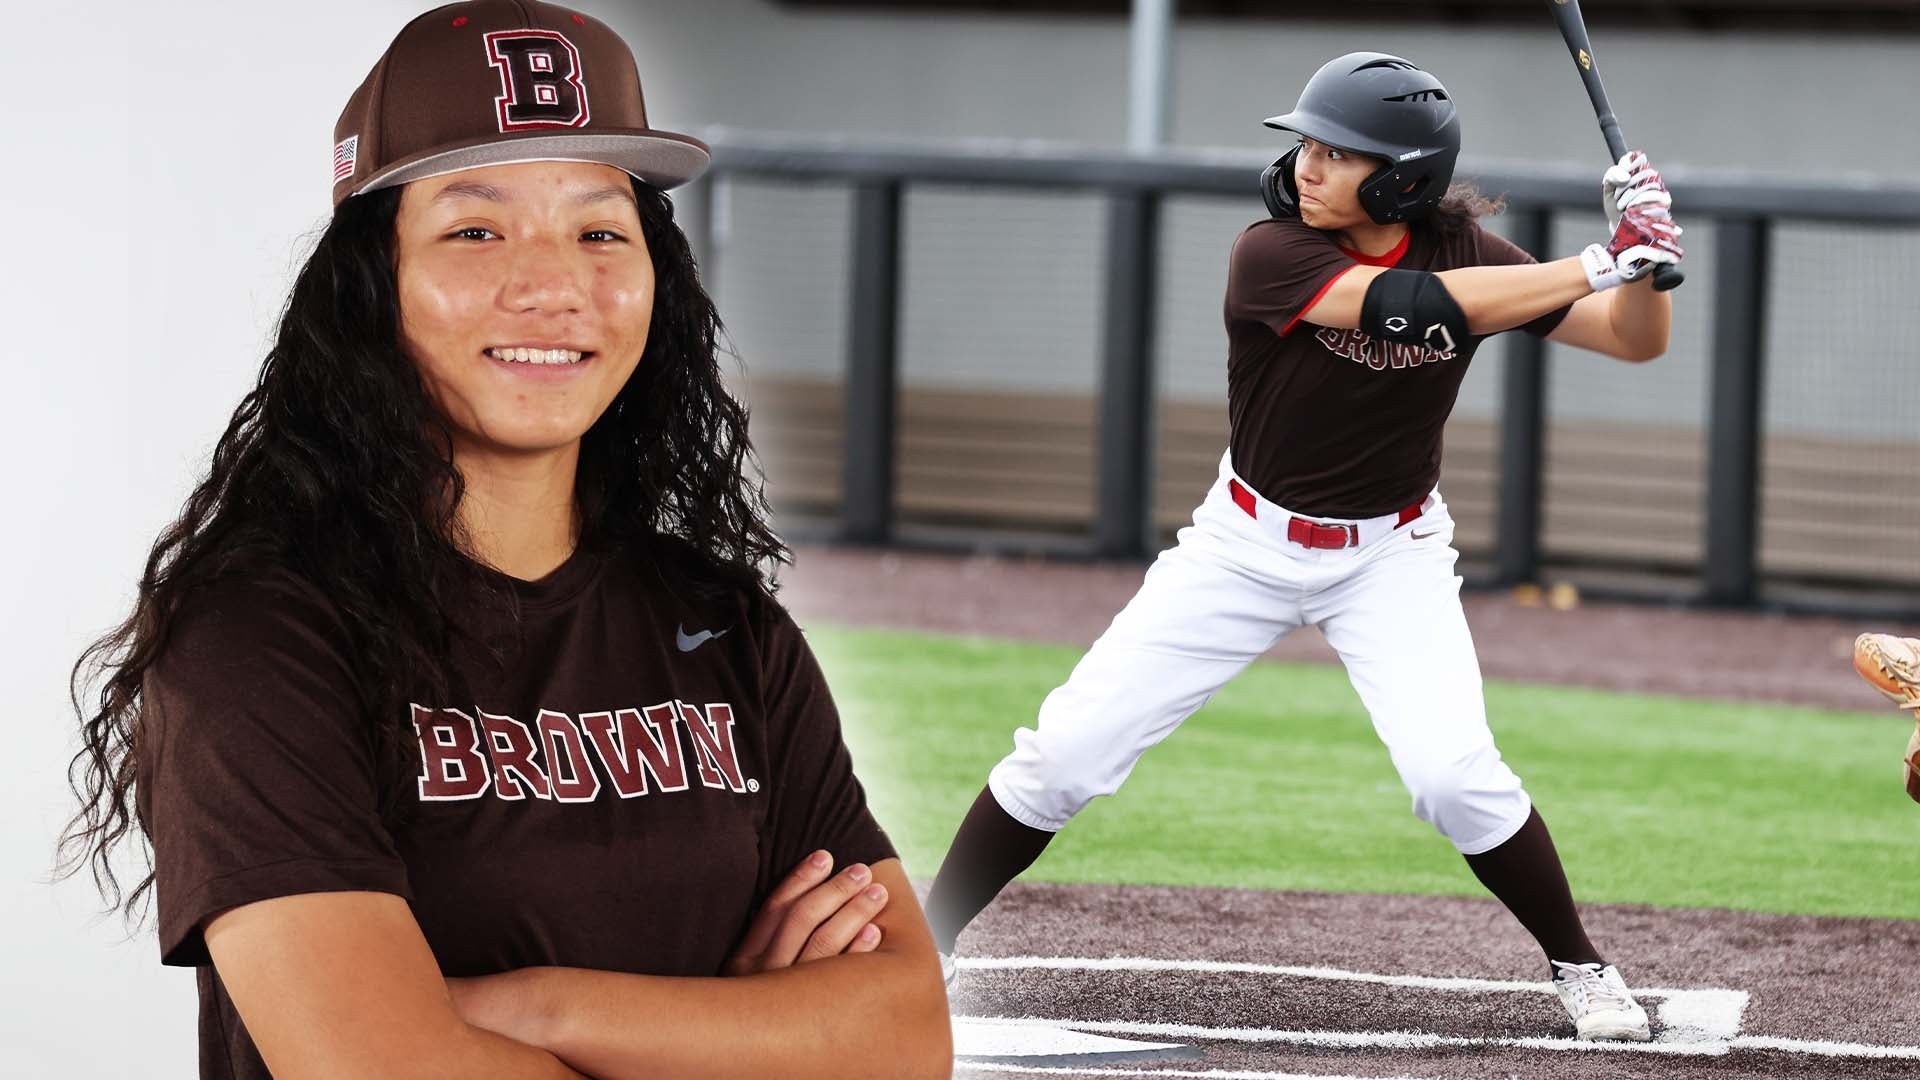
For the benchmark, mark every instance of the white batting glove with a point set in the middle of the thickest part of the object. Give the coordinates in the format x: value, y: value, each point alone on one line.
x: 1645, y: 238
x: 1630, y: 182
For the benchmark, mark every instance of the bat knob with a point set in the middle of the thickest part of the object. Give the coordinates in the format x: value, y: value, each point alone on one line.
x: 1667, y: 277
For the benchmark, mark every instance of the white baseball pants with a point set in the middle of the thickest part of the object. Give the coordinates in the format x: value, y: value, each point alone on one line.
x: 1231, y: 588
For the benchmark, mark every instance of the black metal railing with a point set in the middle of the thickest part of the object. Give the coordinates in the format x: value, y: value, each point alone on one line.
x: 1742, y: 207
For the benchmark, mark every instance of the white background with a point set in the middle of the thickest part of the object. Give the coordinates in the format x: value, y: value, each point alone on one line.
x: 155, y: 200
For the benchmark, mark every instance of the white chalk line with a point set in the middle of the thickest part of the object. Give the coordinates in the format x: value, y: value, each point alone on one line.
x: 1686, y: 1016
x: 1698, y: 1022
x: 1213, y: 1074
x: 1825, y: 1048
x: 984, y: 1038
x: 1139, y: 963
x: 1421, y: 1040
x: 1391, y: 1040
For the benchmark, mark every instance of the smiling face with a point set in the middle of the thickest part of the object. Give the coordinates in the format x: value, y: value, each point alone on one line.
x: 526, y: 294
x: 1329, y: 180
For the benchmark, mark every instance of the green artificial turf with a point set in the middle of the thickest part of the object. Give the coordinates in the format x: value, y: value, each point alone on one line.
x: 1280, y: 783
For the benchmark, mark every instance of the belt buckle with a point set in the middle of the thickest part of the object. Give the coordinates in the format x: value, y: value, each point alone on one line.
x: 1314, y: 534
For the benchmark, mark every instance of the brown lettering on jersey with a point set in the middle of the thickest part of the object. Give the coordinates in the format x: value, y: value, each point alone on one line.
x: 1401, y: 356
x: 639, y: 749
x: 573, y: 779
x: 451, y: 767
x: 512, y: 748
x: 713, y: 745
x: 1361, y: 348
x: 643, y: 744
x: 541, y: 84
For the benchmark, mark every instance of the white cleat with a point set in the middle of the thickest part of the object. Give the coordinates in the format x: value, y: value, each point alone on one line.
x: 1598, y: 1001
x: 948, y: 970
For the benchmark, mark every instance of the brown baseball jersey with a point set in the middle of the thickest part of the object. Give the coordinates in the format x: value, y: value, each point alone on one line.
x: 1332, y: 423
x: 621, y: 793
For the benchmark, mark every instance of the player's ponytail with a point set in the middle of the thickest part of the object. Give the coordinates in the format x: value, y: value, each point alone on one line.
x: 1460, y: 207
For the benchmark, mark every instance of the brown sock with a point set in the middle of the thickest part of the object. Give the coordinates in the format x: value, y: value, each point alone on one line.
x: 990, y: 850
x: 1525, y: 874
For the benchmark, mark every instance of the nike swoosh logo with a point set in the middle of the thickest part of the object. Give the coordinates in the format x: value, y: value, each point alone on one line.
x: 689, y: 642
x: 1424, y: 535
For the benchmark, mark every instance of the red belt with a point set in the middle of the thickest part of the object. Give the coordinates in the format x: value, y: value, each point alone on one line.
x: 1315, y: 534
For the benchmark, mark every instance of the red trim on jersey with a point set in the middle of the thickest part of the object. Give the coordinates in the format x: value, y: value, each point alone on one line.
x: 1243, y: 498
x: 1295, y: 321
x: 1388, y: 259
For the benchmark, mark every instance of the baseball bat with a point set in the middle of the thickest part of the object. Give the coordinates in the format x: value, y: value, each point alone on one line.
x: 1573, y: 27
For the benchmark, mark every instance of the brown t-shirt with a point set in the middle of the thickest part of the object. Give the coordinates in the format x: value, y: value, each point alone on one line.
x: 623, y: 796
x: 1331, y: 423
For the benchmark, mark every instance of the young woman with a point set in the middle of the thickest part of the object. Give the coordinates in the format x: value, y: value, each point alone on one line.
x: 466, y: 731
x: 1351, y: 316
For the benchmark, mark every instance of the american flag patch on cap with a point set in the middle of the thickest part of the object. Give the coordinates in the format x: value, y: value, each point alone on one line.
x: 344, y: 153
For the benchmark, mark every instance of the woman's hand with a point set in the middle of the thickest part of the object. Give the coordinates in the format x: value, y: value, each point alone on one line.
x: 801, y: 1020
x: 811, y: 915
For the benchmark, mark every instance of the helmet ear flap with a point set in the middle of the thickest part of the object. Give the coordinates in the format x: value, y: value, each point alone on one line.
x: 1379, y: 198
x: 1407, y: 191
x: 1277, y: 187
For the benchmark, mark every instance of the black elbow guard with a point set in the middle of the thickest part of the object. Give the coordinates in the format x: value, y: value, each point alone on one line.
x: 1412, y: 307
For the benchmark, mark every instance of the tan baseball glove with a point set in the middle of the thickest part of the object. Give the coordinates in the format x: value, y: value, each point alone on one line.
x: 1892, y: 665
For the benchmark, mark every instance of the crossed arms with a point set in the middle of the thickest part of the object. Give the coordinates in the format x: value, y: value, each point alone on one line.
x: 343, y: 984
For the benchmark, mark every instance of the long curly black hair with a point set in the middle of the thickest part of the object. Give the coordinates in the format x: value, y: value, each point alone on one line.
x: 337, y: 468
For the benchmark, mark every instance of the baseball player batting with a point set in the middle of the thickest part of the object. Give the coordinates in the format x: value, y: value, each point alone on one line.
x: 1892, y: 665
x: 1352, y: 313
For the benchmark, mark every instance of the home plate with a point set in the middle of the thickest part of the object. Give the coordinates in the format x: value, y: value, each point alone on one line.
x: 1042, y: 1042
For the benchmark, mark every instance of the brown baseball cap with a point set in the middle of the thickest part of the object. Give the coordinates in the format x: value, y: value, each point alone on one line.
x: 491, y: 82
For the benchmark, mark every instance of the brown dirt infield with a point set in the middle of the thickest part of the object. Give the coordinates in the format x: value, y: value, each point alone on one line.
x: 1820, y: 991
x: 1830, y: 980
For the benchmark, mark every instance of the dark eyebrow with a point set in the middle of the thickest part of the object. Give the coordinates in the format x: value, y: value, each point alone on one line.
x: 608, y: 193
x: 468, y: 189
